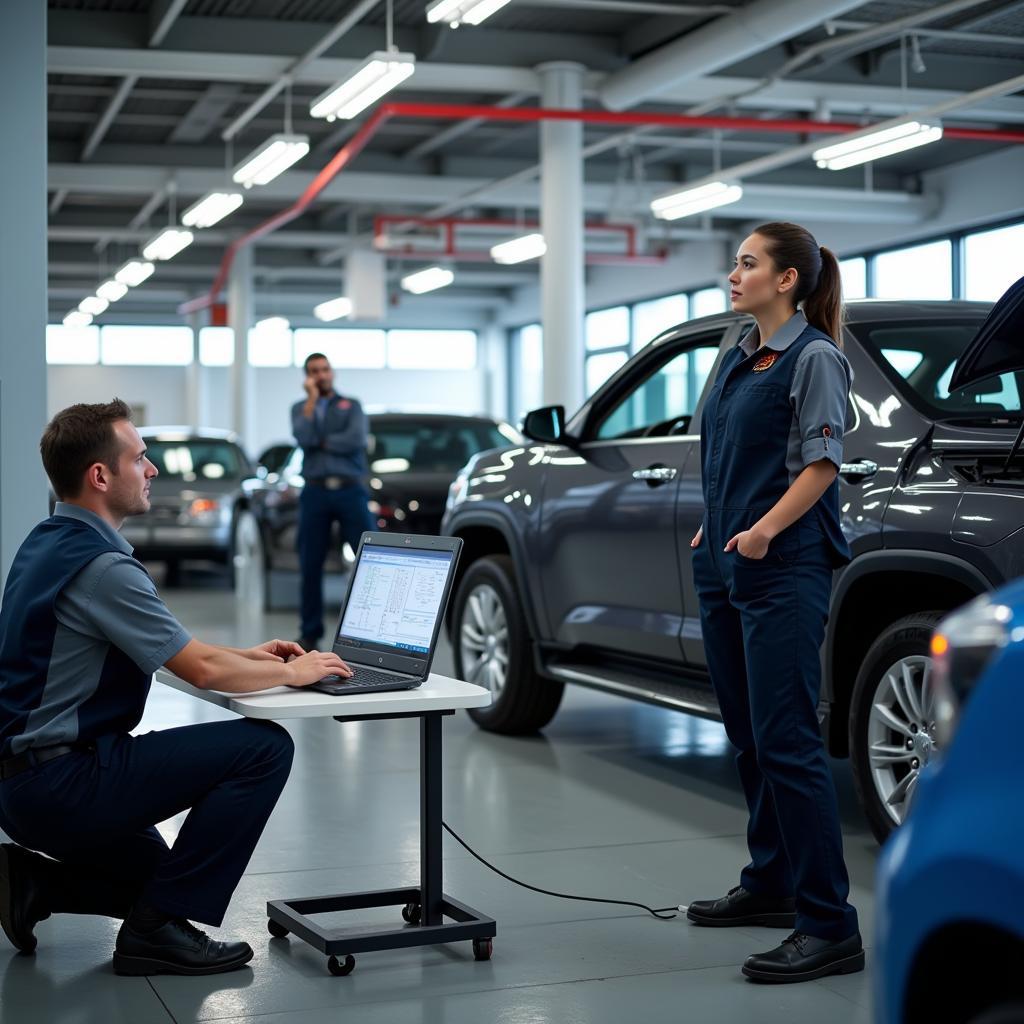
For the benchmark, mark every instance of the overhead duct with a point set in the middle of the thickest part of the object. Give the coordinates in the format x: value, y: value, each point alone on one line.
x: 722, y: 43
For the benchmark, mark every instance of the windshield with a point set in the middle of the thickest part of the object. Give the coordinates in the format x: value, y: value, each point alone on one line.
x: 196, y: 460
x: 920, y: 356
x: 430, y: 445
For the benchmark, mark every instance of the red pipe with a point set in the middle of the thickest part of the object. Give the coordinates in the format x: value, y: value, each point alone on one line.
x: 463, y: 112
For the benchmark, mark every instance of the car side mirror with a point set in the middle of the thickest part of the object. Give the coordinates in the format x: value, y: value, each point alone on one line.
x: 546, y: 425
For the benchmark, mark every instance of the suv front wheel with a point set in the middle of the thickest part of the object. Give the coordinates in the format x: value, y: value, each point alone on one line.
x: 491, y: 642
x: 892, y: 720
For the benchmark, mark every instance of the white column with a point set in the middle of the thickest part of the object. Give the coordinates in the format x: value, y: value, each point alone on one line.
x: 23, y: 487
x: 240, y: 320
x: 492, y: 360
x: 561, y: 218
x: 193, y: 379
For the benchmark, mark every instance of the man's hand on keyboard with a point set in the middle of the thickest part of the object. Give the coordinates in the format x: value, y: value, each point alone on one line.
x: 314, y: 666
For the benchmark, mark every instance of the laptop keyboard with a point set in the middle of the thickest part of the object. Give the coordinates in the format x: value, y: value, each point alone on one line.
x: 364, y: 677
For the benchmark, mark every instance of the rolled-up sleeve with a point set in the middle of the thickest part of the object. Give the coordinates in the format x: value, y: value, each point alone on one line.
x: 819, y: 395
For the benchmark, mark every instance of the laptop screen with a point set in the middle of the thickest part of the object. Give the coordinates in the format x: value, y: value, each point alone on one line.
x: 396, y: 598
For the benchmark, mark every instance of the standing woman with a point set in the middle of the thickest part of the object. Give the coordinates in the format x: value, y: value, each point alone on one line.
x: 771, y: 448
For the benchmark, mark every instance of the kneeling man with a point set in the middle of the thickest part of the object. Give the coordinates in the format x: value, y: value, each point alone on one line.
x: 82, y: 630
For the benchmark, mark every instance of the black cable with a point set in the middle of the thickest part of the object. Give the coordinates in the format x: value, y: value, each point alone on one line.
x: 660, y: 913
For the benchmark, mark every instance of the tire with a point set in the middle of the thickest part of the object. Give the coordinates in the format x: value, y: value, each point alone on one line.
x: 248, y: 562
x: 891, y: 720
x: 491, y: 642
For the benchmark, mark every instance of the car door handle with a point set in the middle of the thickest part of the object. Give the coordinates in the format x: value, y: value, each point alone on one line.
x: 854, y: 472
x: 655, y: 475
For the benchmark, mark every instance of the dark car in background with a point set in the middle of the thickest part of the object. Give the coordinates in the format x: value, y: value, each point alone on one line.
x: 199, y: 502
x: 576, y: 561
x: 413, y: 459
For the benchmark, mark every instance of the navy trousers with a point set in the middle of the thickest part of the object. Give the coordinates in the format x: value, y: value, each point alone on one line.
x: 763, y: 622
x: 95, y: 812
x: 319, y: 508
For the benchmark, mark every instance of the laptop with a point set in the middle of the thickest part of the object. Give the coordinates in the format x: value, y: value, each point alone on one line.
x: 391, y: 616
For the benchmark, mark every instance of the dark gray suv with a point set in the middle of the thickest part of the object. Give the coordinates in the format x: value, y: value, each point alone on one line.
x: 576, y: 565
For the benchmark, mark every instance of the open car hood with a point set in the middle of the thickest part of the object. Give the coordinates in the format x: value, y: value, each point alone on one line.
x: 998, y: 347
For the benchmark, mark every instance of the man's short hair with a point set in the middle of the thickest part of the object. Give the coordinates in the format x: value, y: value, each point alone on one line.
x: 311, y: 357
x: 77, y: 437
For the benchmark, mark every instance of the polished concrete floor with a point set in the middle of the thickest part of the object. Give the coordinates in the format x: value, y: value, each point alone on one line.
x: 616, y: 799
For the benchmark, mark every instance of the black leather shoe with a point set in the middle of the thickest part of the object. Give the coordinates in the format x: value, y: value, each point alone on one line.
x: 23, y: 902
x: 738, y: 907
x: 176, y: 947
x: 803, y: 958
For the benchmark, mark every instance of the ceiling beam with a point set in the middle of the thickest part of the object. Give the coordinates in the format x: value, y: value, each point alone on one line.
x: 162, y: 15
x: 111, y: 111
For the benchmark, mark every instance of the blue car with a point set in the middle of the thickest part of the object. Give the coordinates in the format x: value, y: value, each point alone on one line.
x: 950, y: 926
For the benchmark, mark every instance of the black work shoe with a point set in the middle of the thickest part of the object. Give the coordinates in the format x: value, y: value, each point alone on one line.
x: 176, y: 947
x: 22, y: 895
x: 803, y: 958
x: 738, y: 907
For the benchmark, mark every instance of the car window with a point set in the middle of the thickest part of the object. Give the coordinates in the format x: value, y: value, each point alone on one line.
x: 429, y: 445
x: 665, y: 400
x: 274, y: 458
x: 921, y: 357
x: 196, y: 460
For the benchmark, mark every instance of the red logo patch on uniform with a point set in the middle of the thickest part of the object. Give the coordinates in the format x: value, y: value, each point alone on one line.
x: 344, y: 403
x: 766, y: 362
x: 826, y: 432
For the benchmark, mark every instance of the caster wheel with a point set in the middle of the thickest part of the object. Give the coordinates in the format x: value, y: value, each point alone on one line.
x: 482, y: 949
x: 277, y: 930
x: 339, y: 968
x: 412, y: 913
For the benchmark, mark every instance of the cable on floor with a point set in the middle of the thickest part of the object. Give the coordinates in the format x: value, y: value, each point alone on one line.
x: 661, y: 913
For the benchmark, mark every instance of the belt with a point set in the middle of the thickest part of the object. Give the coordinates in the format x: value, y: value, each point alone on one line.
x: 33, y: 758
x: 331, y: 483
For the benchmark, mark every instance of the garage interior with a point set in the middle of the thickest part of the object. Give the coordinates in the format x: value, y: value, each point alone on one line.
x: 567, y: 119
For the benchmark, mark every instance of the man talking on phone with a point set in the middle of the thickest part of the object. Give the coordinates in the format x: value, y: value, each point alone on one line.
x: 331, y: 431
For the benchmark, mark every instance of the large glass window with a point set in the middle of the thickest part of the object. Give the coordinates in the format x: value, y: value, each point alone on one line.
x: 216, y: 346
x: 992, y: 262
x: 348, y: 348
x: 529, y: 381
x: 919, y: 272
x: 601, y: 366
x: 707, y: 302
x: 270, y: 346
x: 72, y: 345
x: 607, y: 328
x: 854, y: 274
x: 665, y: 401
x: 431, y: 350
x: 145, y: 346
x: 652, y: 318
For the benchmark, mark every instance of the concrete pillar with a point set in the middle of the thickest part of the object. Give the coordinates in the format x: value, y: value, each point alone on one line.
x: 23, y: 488
x: 240, y: 320
x: 492, y: 360
x: 561, y: 218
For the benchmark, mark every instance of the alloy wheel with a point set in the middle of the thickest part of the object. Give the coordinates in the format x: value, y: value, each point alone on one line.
x: 483, y: 639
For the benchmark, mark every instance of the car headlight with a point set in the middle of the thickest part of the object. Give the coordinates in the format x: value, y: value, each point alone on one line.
x: 962, y: 646
x: 456, y: 491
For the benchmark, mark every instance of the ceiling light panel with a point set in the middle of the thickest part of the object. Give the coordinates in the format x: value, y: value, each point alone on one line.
x: 688, y: 201
x: 167, y: 244
x: 875, y: 144
x: 333, y: 309
x: 76, y: 318
x: 213, y: 207
x: 519, y: 250
x: 378, y: 74
x: 427, y: 280
x: 457, y: 12
x: 93, y: 305
x: 266, y: 162
x: 134, y: 272
x: 112, y: 290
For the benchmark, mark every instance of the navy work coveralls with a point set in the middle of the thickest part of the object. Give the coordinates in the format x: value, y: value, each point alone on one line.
x: 334, y: 469
x: 763, y: 622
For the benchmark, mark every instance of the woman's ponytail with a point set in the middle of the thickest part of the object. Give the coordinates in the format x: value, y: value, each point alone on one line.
x: 819, y: 287
x: 824, y: 306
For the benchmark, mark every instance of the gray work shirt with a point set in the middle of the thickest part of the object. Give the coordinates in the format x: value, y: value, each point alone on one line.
x: 333, y: 440
x: 111, y: 601
x: 819, y: 395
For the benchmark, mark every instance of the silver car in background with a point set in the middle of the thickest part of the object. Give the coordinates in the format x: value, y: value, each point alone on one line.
x: 199, y: 502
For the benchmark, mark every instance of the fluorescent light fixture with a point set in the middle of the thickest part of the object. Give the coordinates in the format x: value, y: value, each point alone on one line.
x: 167, y: 244
x: 427, y: 280
x: 519, y: 250
x: 214, y: 206
x: 112, y: 290
x: 455, y: 12
x: 873, y: 144
x: 689, y: 201
x: 93, y: 305
x: 377, y: 75
x: 134, y: 272
x: 76, y: 318
x: 272, y: 323
x: 333, y: 309
x: 265, y: 163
